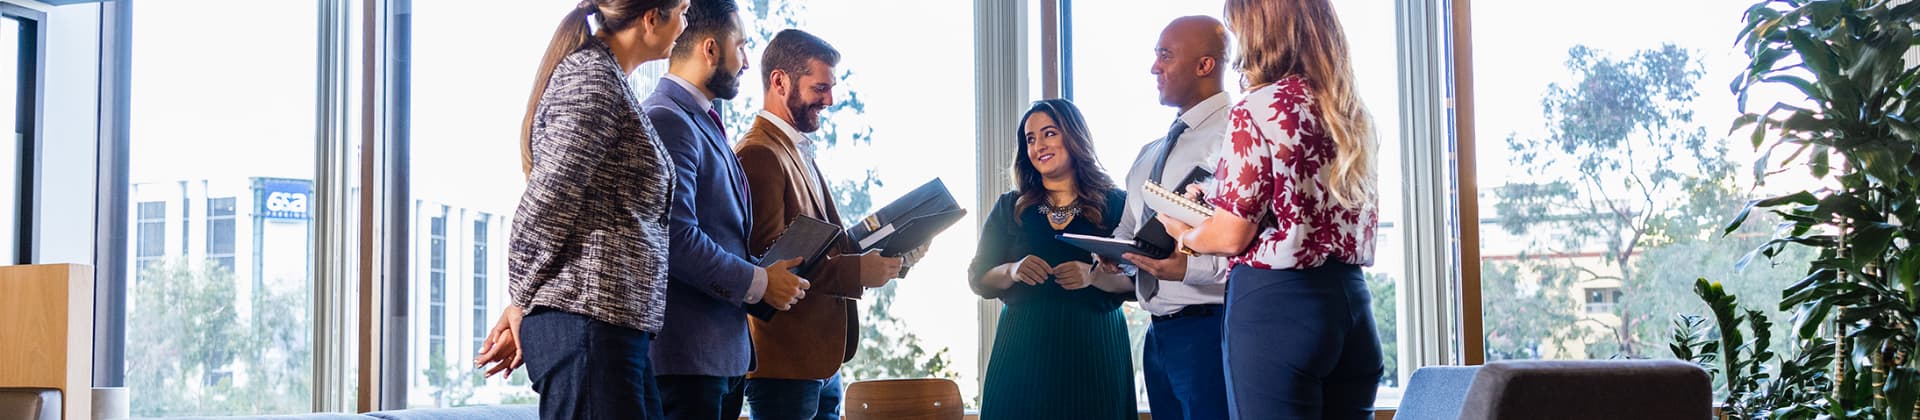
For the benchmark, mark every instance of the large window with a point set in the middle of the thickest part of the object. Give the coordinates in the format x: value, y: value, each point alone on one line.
x: 465, y: 156
x: 874, y: 146
x: 150, y: 234
x: 1112, y: 52
x: 13, y: 63
x: 230, y: 130
x: 464, y: 179
x: 1605, y: 173
x: 220, y: 231
x: 220, y: 213
x: 479, y: 291
x: 437, y: 288
x: 903, y: 115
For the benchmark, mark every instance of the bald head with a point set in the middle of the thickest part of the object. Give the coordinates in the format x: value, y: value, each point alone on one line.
x: 1188, y: 61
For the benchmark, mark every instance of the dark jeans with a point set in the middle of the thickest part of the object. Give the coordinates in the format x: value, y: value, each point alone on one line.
x: 794, y: 399
x: 1300, y: 344
x: 693, y: 397
x: 1182, y: 365
x: 584, y: 368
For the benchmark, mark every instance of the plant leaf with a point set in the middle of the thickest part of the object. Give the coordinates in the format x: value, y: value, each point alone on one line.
x: 1802, y: 198
x: 1869, y: 241
x: 1817, y: 163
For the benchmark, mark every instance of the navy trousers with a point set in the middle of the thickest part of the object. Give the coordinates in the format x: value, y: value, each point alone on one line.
x: 584, y: 368
x: 693, y: 397
x: 1182, y: 365
x: 794, y: 399
x: 1300, y: 344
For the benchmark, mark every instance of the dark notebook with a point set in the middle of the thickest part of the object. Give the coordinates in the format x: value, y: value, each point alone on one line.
x: 806, y: 238
x: 1153, y: 235
x: 1110, y: 249
x: 908, y: 222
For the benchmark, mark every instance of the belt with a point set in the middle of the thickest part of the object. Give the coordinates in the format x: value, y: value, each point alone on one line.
x: 1192, y: 310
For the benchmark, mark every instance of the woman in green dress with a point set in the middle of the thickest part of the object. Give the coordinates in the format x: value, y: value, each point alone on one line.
x: 1061, y: 350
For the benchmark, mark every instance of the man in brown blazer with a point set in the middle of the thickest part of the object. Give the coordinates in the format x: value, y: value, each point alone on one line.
x: 801, y: 350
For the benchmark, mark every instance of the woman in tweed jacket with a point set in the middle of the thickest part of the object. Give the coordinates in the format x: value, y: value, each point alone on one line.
x: 588, y: 255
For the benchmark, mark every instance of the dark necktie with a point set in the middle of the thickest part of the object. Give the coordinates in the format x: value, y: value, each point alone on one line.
x: 1149, y: 288
x: 715, y: 115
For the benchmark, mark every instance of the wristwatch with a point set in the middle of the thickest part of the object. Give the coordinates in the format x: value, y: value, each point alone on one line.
x: 1184, y: 249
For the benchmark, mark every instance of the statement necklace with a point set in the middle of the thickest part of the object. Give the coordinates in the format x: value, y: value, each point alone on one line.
x: 1059, y: 216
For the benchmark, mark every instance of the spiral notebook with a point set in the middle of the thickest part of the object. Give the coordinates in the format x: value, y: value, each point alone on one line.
x: 1151, y: 234
x: 1176, y: 206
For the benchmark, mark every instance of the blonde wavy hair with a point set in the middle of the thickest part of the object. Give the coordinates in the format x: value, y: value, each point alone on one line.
x: 1274, y: 39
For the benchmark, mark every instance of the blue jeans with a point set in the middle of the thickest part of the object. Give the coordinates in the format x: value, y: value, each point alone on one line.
x: 794, y: 399
x: 585, y: 368
x: 694, y: 397
x: 1300, y: 344
x: 1183, y: 369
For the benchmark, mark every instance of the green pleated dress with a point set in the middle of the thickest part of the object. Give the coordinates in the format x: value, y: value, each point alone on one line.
x: 1057, y: 353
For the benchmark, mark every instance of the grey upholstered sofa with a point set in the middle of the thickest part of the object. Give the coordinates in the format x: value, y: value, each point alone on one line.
x: 1560, y: 389
x: 29, y: 403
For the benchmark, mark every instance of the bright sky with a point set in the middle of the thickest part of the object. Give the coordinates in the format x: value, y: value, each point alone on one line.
x: 220, y: 93
x: 1521, y: 46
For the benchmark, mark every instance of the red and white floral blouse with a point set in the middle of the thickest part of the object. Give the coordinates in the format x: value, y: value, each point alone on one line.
x: 1269, y: 173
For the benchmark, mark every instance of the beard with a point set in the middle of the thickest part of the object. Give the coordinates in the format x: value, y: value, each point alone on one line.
x: 806, y: 116
x: 724, y: 84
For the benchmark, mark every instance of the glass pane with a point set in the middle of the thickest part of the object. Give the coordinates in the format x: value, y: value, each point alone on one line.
x: 1114, y: 49
x: 924, y: 325
x: 220, y: 230
x: 10, y: 36
x: 1372, y: 37
x: 222, y: 306
x: 465, y: 181
x: 912, y: 329
x: 1605, y: 174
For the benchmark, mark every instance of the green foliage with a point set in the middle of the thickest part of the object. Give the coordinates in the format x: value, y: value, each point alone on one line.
x: 1627, y: 172
x: 768, y: 19
x: 195, y: 352
x: 520, y: 398
x: 1856, y: 132
x: 1633, y: 194
x: 889, y: 350
x: 1386, y: 325
x: 452, y: 385
x: 1665, y: 274
x: 1745, y: 369
x: 1138, y: 320
x: 1527, y: 314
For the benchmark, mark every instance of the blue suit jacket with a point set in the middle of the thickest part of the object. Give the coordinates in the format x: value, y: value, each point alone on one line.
x: 707, y: 271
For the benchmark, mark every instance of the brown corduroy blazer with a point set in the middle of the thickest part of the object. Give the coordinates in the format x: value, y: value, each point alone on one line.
x: 817, y: 335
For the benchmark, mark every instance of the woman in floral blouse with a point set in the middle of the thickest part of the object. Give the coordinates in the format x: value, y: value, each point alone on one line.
x: 1295, y: 213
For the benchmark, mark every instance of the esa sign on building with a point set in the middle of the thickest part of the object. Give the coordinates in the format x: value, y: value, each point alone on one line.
x: 284, y: 198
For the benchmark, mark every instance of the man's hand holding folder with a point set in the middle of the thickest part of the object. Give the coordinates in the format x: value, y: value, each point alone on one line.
x: 800, y: 247
x: 784, y: 288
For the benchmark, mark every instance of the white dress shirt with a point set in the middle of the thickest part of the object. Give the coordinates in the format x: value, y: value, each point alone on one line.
x: 1206, y: 279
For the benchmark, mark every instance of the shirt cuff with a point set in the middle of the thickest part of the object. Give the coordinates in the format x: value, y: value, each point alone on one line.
x: 759, y: 287
x: 1204, y: 270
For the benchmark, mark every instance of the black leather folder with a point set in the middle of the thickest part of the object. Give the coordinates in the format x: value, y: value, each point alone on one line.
x: 908, y: 222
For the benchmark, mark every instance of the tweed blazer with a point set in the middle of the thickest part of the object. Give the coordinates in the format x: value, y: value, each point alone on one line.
x: 590, y: 234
